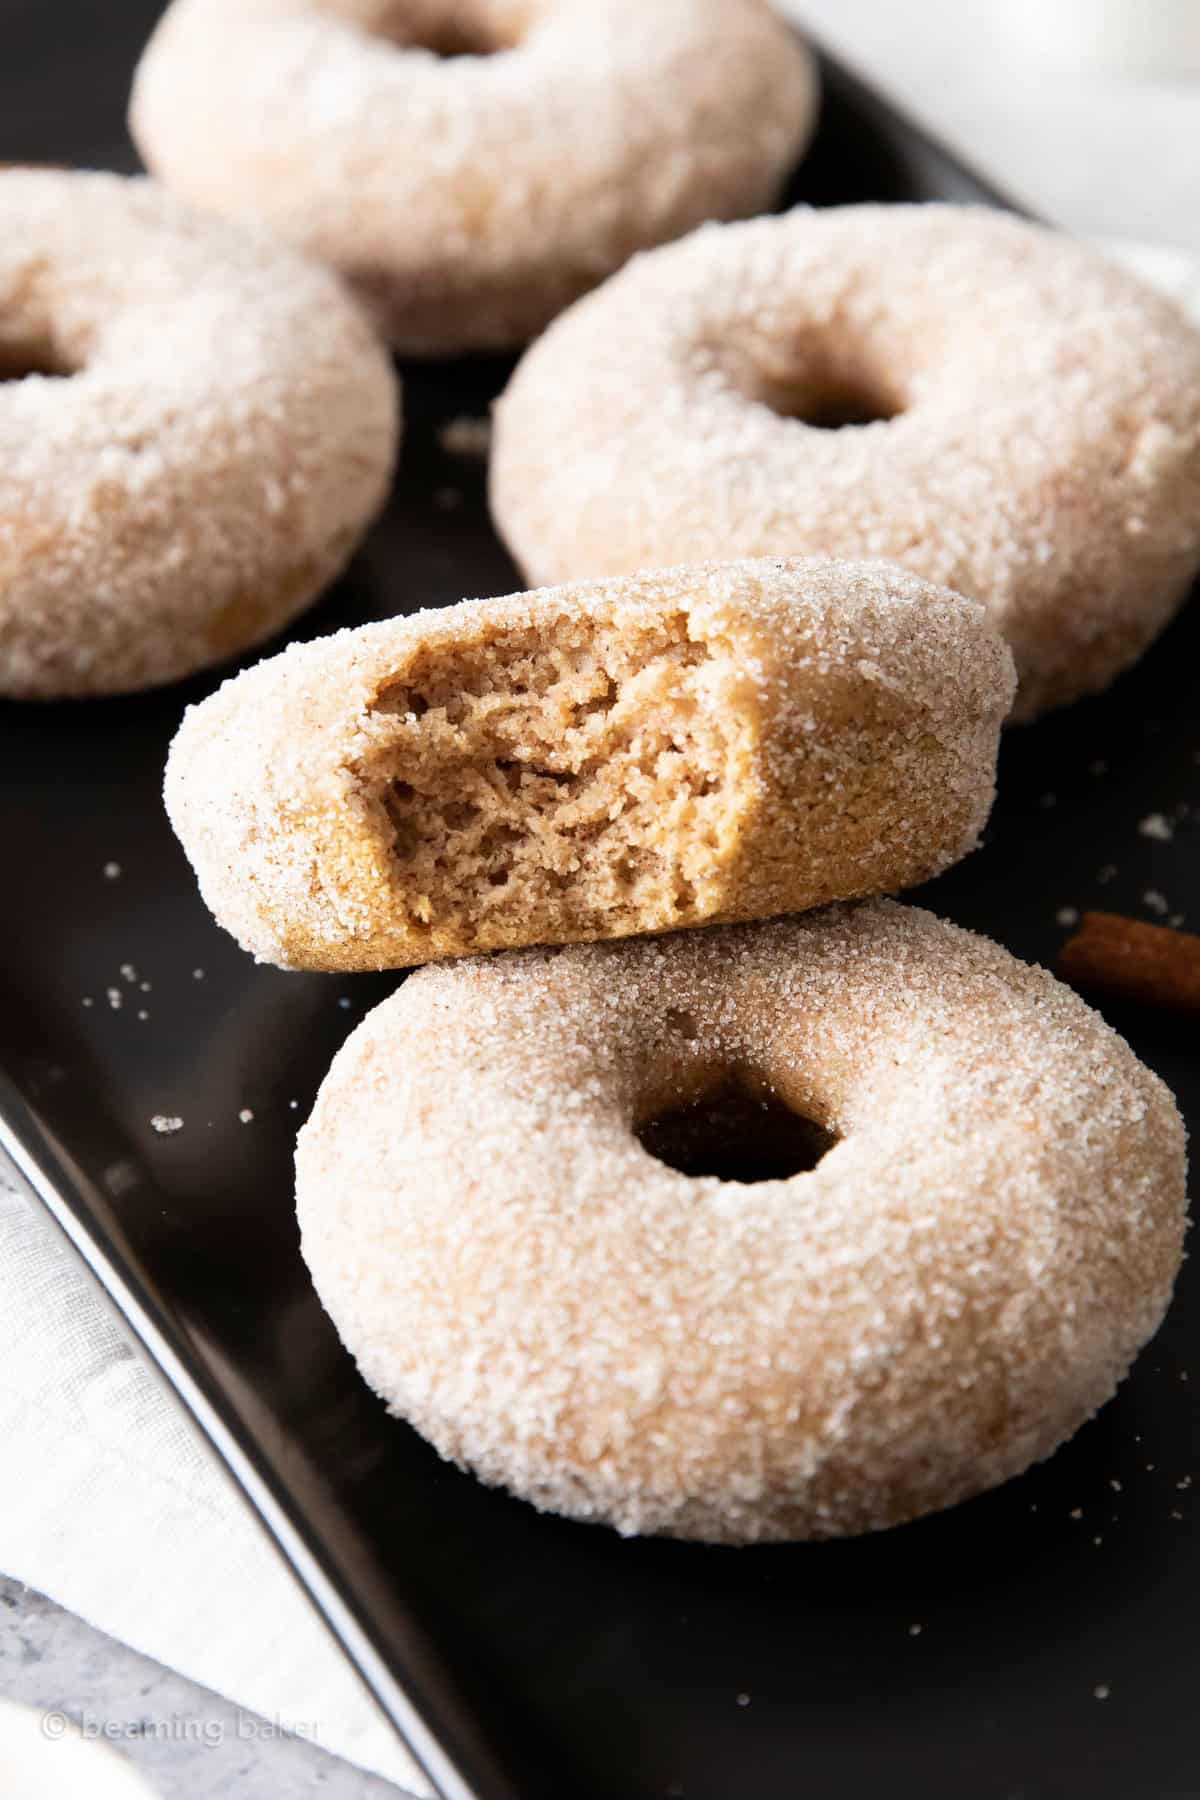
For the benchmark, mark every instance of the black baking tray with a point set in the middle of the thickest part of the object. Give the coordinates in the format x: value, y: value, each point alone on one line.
x: 1038, y: 1642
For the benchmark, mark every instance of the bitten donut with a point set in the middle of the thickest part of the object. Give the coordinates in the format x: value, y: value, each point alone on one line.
x: 592, y: 761
x: 474, y: 165
x: 999, y: 409
x: 964, y: 1276
x: 195, y: 430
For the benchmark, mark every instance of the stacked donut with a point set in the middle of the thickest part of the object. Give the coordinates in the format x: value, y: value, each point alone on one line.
x: 506, y: 1191
x: 826, y: 498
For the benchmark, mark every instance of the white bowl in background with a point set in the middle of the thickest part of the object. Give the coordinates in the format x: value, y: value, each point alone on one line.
x: 1130, y: 37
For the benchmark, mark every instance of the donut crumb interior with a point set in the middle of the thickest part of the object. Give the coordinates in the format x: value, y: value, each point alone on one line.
x: 583, y: 774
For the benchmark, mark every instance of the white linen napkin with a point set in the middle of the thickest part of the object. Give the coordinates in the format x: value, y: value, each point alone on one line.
x: 113, y: 1505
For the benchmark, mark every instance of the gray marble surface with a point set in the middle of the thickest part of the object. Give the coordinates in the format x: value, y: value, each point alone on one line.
x: 186, y: 1741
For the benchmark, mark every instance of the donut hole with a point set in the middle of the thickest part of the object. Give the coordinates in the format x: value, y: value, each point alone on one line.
x: 32, y: 356
x: 453, y: 41
x: 736, y: 1136
x: 834, y: 401
x: 826, y: 386
x: 439, y: 27
x: 569, y: 779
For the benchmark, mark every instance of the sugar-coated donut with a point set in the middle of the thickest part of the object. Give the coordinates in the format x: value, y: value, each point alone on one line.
x: 1033, y: 435
x: 945, y: 1297
x: 471, y: 199
x: 196, y: 428
x: 695, y: 744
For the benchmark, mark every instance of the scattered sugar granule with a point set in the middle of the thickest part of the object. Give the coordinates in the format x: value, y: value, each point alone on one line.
x: 292, y: 1105
x: 144, y: 987
x: 142, y: 1013
x: 246, y: 1115
x: 1157, y: 825
x: 1077, y: 1513
x: 1067, y: 915
x: 116, y: 998
x: 197, y: 974
x: 344, y: 1001
x: 1184, y: 1484
x: 88, y: 1001
x: 465, y: 436
x: 743, y: 1699
x: 111, y: 871
x: 166, y: 1123
x: 1176, y: 920
x: 1155, y: 901
x: 914, y: 1631
x: 128, y: 972
x: 1115, y: 1485
x: 1106, y: 874
x: 1102, y: 1690
x: 1175, y: 1514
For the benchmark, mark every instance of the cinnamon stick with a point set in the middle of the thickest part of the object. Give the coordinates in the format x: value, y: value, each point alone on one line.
x: 1130, y: 960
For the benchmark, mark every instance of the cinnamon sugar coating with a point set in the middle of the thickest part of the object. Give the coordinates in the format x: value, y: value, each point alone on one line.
x: 953, y: 1289
x: 1032, y: 433
x: 592, y: 761
x: 195, y: 430
x: 471, y: 199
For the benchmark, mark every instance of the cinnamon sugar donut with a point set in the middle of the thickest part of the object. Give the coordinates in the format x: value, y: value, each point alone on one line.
x: 471, y: 199
x: 1021, y: 423
x: 962, y: 1279
x: 592, y: 761
x: 195, y: 430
